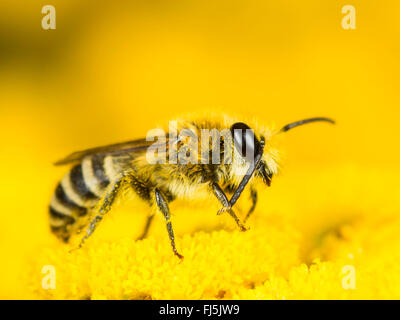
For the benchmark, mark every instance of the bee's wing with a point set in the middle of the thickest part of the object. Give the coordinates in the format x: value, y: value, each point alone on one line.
x: 133, y: 146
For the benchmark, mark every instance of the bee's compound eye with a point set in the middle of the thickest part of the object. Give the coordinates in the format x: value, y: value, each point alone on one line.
x: 245, y: 141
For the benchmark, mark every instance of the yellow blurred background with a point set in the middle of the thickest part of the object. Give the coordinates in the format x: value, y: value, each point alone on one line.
x: 112, y: 70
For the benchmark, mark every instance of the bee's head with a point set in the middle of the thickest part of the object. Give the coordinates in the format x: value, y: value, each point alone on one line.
x: 257, y: 153
x: 245, y: 142
x: 250, y: 150
x: 253, y: 157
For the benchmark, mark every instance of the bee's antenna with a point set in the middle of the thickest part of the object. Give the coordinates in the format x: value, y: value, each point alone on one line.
x: 305, y: 121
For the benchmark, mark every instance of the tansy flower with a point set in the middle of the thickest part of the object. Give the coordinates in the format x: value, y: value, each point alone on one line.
x: 352, y: 255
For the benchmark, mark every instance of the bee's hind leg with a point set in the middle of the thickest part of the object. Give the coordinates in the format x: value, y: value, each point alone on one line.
x: 162, y: 204
x: 106, y: 205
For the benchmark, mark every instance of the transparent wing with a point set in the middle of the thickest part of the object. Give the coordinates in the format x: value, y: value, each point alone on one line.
x: 133, y: 146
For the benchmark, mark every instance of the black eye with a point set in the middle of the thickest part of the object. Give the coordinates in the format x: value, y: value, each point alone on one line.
x: 245, y: 141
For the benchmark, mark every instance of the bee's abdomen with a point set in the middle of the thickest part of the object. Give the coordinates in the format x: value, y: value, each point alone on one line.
x: 80, y: 189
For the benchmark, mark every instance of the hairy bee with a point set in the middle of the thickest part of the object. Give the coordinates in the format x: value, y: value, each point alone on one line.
x: 98, y: 175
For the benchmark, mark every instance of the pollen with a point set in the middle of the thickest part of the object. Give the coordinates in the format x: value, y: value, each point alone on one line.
x: 329, y: 250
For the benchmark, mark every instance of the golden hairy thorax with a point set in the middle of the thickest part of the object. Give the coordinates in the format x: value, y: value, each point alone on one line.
x: 189, y: 180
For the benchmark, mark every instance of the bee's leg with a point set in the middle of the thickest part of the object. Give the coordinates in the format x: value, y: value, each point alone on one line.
x: 253, y: 196
x: 162, y: 204
x: 143, y: 190
x: 221, y: 196
x: 146, y: 227
x: 106, y: 205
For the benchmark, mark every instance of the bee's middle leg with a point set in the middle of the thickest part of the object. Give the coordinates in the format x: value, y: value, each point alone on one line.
x: 253, y: 197
x: 143, y: 190
x: 146, y: 227
x: 162, y: 204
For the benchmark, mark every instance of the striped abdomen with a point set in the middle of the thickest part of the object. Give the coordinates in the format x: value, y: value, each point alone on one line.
x: 79, y: 190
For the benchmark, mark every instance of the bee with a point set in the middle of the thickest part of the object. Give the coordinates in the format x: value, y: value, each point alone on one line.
x: 160, y: 172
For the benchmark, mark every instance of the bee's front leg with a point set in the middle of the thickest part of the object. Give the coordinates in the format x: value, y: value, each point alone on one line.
x: 222, y: 198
